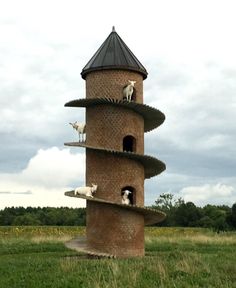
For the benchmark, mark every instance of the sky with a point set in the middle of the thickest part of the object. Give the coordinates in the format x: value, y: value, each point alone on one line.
x: 188, y: 48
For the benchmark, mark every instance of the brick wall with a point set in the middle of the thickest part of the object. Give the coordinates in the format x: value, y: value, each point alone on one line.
x: 107, y: 125
x: 110, y: 83
x: 111, y: 229
x: 112, y: 173
x: 115, y: 230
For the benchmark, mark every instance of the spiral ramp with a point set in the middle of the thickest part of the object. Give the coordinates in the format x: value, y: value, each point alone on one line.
x: 151, y: 167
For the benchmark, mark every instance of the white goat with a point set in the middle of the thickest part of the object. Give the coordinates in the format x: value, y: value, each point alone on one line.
x: 125, y: 197
x: 80, y: 128
x: 86, y: 191
x: 128, y: 90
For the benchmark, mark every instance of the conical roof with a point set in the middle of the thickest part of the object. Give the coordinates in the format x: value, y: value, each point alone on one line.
x: 114, y: 54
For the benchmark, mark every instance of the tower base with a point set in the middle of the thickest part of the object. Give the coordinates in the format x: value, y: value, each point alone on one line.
x: 114, y: 230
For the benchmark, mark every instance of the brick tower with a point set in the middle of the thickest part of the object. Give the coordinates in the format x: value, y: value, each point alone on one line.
x: 115, y: 159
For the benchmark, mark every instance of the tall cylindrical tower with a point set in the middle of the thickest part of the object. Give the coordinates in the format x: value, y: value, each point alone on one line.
x: 115, y: 159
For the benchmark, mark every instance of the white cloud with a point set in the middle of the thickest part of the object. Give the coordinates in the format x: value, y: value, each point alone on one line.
x: 191, y: 65
x: 54, y: 168
x: 209, y: 194
x: 47, y: 176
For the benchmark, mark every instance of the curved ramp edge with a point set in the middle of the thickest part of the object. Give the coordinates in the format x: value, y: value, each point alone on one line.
x: 152, y: 165
x: 152, y: 116
x: 80, y: 245
x: 151, y: 216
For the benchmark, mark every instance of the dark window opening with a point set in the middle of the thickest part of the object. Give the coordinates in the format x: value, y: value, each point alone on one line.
x: 132, y: 194
x: 133, y: 97
x: 129, y: 144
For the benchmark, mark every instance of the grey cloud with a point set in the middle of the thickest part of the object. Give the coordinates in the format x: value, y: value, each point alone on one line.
x: 33, y: 115
x: 230, y: 74
x: 194, y: 114
x: 25, y: 193
x: 17, y: 147
x: 198, y: 136
x: 16, y: 150
x: 166, y: 76
x: 12, y: 192
x: 214, y: 162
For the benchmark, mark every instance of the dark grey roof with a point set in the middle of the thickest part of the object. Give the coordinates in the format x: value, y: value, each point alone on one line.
x: 114, y: 54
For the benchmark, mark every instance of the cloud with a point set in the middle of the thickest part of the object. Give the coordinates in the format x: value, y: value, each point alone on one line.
x: 192, y: 187
x: 192, y: 79
x: 209, y: 194
x: 38, y: 76
x: 198, y: 135
x: 43, y: 182
x: 24, y: 193
x: 53, y: 168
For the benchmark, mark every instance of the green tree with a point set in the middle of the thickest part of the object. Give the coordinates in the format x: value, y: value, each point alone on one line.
x: 218, y: 217
x: 187, y: 215
x: 206, y: 222
x: 26, y: 219
x: 168, y: 204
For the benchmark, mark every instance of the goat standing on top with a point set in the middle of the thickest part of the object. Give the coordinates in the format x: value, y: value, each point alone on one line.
x: 80, y: 128
x: 128, y: 90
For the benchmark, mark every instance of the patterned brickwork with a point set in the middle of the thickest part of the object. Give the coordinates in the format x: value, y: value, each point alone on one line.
x: 110, y: 83
x: 107, y: 125
x: 112, y: 173
x: 110, y: 229
x: 115, y: 159
x: 115, y: 230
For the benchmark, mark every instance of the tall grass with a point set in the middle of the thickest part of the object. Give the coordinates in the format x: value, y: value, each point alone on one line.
x: 175, y: 257
x: 36, y: 231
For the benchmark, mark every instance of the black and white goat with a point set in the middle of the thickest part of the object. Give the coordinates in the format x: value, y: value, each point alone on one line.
x: 126, y: 197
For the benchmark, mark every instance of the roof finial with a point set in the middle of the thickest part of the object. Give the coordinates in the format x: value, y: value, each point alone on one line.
x: 113, y: 29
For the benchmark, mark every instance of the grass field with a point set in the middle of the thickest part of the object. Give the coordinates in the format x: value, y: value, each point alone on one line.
x: 175, y: 257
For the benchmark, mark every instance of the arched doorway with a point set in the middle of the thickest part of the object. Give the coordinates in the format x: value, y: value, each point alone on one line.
x: 129, y: 144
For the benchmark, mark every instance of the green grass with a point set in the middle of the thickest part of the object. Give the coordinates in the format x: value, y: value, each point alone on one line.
x: 175, y: 257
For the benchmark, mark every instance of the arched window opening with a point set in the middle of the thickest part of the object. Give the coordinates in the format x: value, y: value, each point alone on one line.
x: 128, y: 195
x: 133, y: 97
x: 129, y: 144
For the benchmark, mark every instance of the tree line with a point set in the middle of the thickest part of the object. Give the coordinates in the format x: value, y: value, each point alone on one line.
x: 178, y: 213
x: 63, y: 216
x: 187, y: 214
